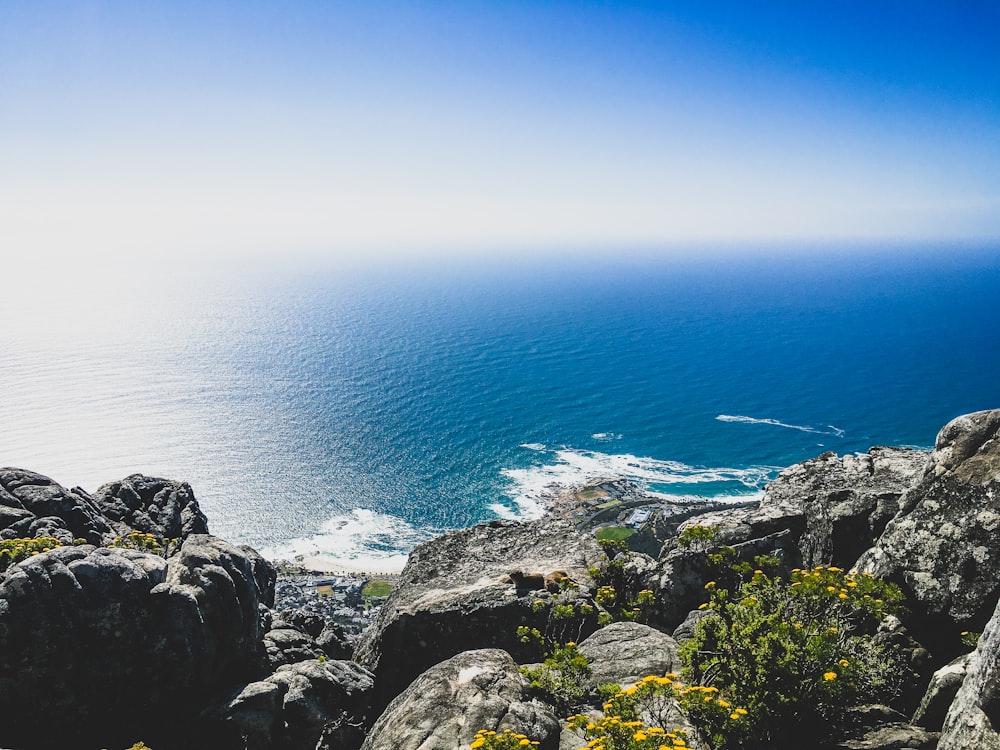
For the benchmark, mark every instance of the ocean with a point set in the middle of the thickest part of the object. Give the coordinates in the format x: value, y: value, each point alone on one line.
x: 351, y: 413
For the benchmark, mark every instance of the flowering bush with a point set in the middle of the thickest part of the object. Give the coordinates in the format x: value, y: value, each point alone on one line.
x: 796, y: 654
x: 507, y: 740
x: 15, y: 550
x: 141, y: 541
x: 646, y: 714
x: 618, y: 596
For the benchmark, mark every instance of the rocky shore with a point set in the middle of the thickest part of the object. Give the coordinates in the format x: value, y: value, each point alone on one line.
x: 122, y: 619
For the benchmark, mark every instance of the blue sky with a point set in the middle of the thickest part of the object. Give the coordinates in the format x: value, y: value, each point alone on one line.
x: 203, y: 129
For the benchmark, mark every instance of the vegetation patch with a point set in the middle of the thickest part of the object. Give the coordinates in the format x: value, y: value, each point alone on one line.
x: 614, y: 533
x: 376, y: 589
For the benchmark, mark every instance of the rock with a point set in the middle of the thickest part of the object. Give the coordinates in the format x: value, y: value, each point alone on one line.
x: 973, y: 720
x: 686, y: 629
x: 446, y: 705
x: 161, y: 507
x: 26, y: 496
x: 940, y: 693
x: 97, y: 644
x: 834, y: 506
x: 943, y: 547
x: 299, y: 703
x: 891, y: 737
x: 456, y: 594
x: 287, y: 646
x: 625, y: 652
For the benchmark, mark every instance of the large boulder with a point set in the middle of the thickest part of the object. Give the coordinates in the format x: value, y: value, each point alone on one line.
x: 27, y: 497
x: 973, y: 720
x: 943, y: 547
x: 471, y: 589
x: 162, y: 507
x: 97, y: 645
x: 299, y: 703
x: 445, y: 706
x: 625, y: 652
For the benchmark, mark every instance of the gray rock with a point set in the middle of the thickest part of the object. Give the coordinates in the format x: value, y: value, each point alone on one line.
x: 287, y: 646
x: 834, y: 506
x: 686, y: 629
x: 940, y: 693
x: 162, y: 507
x: 973, y: 719
x: 446, y: 705
x: 898, y: 736
x: 943, y: 546
x: 97, y: 644
x: 298, y: 704
x: 455, y: 594
x: 26, y: 496
x: 625, y: 652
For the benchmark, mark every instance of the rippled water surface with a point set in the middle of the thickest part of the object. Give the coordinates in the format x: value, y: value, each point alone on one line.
x: 355, y: 413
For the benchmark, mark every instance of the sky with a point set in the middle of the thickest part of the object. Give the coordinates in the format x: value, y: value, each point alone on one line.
x: 202, y: 129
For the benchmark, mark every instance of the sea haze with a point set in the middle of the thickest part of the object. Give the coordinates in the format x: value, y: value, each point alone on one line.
x: 355, y: 413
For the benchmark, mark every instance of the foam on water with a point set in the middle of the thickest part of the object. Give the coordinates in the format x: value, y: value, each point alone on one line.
x: 532, y: 488
x: 361, y: 540
x: 831, y: 430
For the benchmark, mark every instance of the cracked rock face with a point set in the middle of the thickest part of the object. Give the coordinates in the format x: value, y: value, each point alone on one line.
x: 446, y: 705
x: 835, y: 507
x: 97, y: 644
x: 973, y: 720
x: 456, y: 594
x: 943, y: 547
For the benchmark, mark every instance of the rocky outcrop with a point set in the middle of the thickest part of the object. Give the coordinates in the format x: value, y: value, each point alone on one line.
x: 456, y: 594
x: 446, y: 705
x: 943, y: 547
x: 95, y: 642
x: 834, y: 507
x: 973, y: 720
x: 33, y: 505
x: 624, y: 652
x: 161, y: 507
x: 301, y: 702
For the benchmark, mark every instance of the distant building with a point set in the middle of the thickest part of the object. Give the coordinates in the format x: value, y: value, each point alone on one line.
x: 324, y: 589
x: 638, y: 517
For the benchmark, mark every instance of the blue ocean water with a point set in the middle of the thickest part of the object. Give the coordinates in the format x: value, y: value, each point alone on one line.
x: 353, y: 413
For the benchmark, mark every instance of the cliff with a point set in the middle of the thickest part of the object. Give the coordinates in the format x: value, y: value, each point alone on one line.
x: 125, y: 619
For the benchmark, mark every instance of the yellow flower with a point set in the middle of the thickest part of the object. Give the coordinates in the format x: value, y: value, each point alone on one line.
x: 478, y: 742
x: 843, y: 662
x: 524, y: 742
x: 842, y: 595
x: 734, y: 716
x: 833, y: 569
x: 741, y: 711
x: 639, y: 736
x: 723, y: 703
x: 828, y: 676
x: 710, y: 585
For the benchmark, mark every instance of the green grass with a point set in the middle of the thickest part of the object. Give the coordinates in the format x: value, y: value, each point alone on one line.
x: 376, y: 589
x: 616, y: 533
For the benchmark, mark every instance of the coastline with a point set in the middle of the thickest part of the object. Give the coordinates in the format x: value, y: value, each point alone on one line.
x: 592, y: 504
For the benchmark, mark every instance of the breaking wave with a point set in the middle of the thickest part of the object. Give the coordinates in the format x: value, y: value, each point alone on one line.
x: 829, y: 430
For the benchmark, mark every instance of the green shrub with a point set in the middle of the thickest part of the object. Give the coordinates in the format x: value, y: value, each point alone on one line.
x: 618, y: 595
x: 795, y: 654
x: 697, y: 537
x: 561, y: 680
